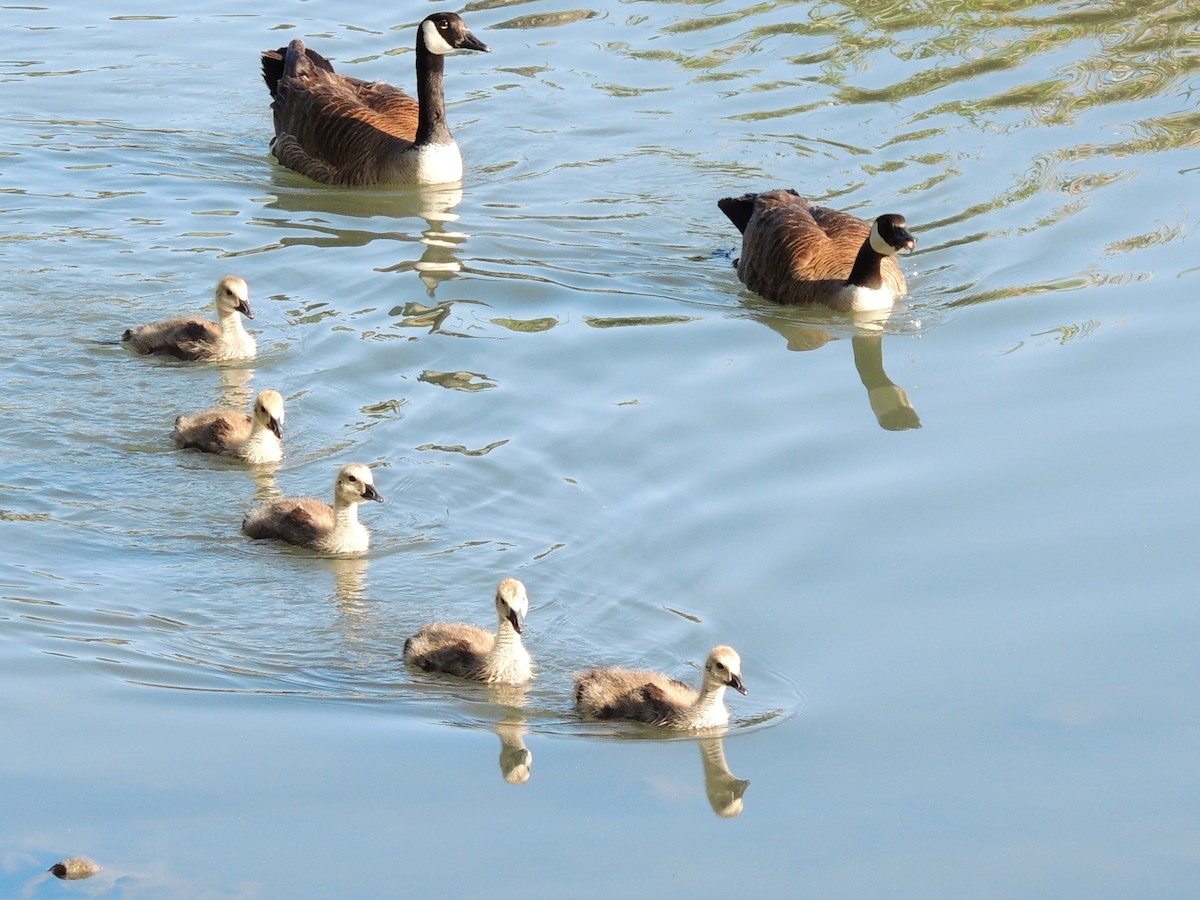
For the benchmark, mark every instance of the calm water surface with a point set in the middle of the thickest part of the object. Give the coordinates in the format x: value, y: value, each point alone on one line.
x: 956, y: 549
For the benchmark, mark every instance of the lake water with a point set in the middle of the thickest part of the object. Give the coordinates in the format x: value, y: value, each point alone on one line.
x: 957, y: 550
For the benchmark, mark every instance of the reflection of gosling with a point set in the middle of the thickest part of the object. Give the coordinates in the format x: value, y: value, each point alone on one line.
x: 470, y: 652
x: 516, y: 761
x: 724, y: 789
x: 199, y: 338
x: 314, y: 524
x: 256, y: 438
x: 657, y: 700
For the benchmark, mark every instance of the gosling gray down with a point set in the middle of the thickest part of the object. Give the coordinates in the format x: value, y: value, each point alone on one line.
x: 469, y: 651
x: 189, y: 338
x: 340, y: 130
x: 654, y: 699
x: 255, y: 438
x: 797, y: 253
x: 314, y: 524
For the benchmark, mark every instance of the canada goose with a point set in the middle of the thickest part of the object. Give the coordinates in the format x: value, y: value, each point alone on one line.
x: 255, y: 438
x: 200, y: 338
x: 657, y: 700
x: 314, y: 524
x: 797, y: 253
x: 469, y: 651
x: 341, y: 130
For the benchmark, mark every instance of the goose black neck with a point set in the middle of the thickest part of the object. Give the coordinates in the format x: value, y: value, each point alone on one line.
x: 431, y: 113
x: 868, y: 268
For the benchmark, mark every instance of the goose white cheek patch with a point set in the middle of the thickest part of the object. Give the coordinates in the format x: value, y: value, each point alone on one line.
x: 878, y: 244
x: 433, y: 40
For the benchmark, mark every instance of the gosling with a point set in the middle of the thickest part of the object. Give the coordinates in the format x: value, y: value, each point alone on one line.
x: 314, y: 524
x: 654, y: 699
x: 469, y: 651
x: 256, y: 438
x: 200, y: 339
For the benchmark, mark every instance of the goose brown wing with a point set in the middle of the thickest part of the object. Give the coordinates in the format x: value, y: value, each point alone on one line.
x: 335, y: 129
x: 782, y: 243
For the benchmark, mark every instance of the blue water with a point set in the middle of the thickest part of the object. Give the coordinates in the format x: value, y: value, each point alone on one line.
x: 956, y: 549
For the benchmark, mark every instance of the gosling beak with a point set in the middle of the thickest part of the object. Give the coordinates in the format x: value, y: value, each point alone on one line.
x: 244, y: 308
x: 735, y: 682
x: 514, y: 619
x: 369, y: 493
x: 276, y: 427
x: 470, y: 42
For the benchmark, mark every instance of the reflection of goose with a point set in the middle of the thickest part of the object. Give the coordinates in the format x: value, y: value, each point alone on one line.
x: 893, y: 410
x: 515, y: 759
x: 654, y: 699
x: 199, y: 338
x: 254, y: 438
x: 891, y: 404
x: 724, y: 789
x: 341, y: 130
x: 468, y: 651
x: 314, y: 524
x: 797, y: 253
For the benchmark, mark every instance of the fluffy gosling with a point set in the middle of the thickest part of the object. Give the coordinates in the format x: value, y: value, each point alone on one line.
x: 255, y: 438
x: 200, y: 339
x: 314, y: 524
x: 469, y: 651
x: 655, y: 699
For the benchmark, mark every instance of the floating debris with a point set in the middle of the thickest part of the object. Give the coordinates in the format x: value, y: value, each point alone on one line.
x: 75, y: 868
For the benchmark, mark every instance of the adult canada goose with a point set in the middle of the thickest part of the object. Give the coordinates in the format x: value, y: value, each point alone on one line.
x: 469, y: 651
x: 199, y: 338
x: 655, y: 699
x: 797, y: 253
x: 314, y: 524
x: 340, y: 130
x: 254, y: 438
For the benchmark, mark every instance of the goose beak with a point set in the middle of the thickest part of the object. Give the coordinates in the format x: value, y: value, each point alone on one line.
x: 470, y: 42
x: 244, y: 308
x: 514, y: 619
x: 369, y: 493
x: 907, y: 241
x: 735, y: 682
x: 275, y: 426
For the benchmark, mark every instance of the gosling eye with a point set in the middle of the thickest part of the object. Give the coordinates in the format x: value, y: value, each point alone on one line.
x: 352, y: 479
x: 720, y: 665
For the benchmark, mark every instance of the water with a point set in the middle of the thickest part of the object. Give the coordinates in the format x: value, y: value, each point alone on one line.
x: 956, y: 552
